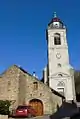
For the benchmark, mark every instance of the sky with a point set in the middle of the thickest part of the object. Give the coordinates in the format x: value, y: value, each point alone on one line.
x: 22, y: 32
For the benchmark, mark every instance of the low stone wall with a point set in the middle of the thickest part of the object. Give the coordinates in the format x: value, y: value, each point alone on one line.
x: 3, y: 116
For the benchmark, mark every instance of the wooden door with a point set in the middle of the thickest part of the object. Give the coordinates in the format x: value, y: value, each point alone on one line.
x: 38, y: 106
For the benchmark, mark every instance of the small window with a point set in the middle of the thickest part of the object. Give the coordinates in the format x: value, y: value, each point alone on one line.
x: 55, y: 25
x: 59, y: 65
x: 40, y: 94
x: 57, y: 40
x: 9, y: 83
x: 35, y: 84
x: 60, y: 75
x: 30, y: 94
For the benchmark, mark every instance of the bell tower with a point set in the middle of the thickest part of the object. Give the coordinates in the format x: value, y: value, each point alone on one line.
x: 59, y: 77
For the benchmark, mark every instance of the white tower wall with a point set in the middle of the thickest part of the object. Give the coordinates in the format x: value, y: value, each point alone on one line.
x: 60, y: 78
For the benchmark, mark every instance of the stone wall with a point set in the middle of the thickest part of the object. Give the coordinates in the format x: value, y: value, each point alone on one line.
x: 43, y: 93
x: 19, y: 86
x: 22, y: 88
x: 9, y: 85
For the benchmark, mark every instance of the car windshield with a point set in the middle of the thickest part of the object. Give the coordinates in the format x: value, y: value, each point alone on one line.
x: 23, y: 107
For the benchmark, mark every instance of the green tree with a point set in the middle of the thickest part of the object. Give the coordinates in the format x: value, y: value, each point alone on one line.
x: 4, y: 107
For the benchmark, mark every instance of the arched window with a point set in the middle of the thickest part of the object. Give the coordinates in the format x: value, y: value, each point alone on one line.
x: 61, y: 90
x: 60, y: 75
x: 57, y: 40
x: 9, y: 85
x: 35, y: 84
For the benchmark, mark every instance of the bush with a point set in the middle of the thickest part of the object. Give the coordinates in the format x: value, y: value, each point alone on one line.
x: 4, y: 107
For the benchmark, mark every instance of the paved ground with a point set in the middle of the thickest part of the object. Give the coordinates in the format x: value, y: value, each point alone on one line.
x: 39, y: 117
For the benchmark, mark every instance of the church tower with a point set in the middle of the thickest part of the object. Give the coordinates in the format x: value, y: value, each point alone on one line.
x: 59, y: 77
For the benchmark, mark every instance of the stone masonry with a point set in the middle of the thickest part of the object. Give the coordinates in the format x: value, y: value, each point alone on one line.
x: 18, y: 85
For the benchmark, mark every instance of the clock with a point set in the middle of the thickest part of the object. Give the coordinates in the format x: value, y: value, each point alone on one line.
x: 58, y: 55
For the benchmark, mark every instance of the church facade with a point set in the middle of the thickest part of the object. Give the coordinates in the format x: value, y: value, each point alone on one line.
x: 22, y: 88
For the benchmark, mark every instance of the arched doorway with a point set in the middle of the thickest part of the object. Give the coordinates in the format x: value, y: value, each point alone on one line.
x: 37, y: 105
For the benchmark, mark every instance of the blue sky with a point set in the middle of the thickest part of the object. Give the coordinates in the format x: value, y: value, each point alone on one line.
x: 22, y: 32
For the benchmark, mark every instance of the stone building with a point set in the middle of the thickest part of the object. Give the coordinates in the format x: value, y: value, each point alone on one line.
x: 47, y: 95
x: 20, y: 87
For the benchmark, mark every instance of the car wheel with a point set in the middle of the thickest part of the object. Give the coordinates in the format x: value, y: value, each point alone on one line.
x: 29, y: 115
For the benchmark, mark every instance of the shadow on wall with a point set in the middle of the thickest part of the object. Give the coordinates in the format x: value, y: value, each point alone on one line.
x: 66, y: 110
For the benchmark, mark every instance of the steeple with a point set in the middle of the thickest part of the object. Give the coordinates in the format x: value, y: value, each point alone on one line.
x: 59, y: 75
x: 55, y: 22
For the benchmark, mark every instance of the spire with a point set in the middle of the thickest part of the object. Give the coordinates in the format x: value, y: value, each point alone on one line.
x: 55, y: 15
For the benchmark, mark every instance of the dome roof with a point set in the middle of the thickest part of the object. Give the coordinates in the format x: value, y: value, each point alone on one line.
x: 55, y: 19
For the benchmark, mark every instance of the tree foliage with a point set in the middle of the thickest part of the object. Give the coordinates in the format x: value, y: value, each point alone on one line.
x: 77, y: 81
x: 4, y: 107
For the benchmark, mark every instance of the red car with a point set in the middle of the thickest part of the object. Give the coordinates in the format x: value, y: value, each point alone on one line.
x: 24, y: 111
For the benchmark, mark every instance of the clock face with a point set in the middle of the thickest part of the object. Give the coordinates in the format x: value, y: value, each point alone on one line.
x: 58, y: 55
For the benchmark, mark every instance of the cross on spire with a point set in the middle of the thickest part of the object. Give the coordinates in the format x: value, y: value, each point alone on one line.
x: 55, y: 14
